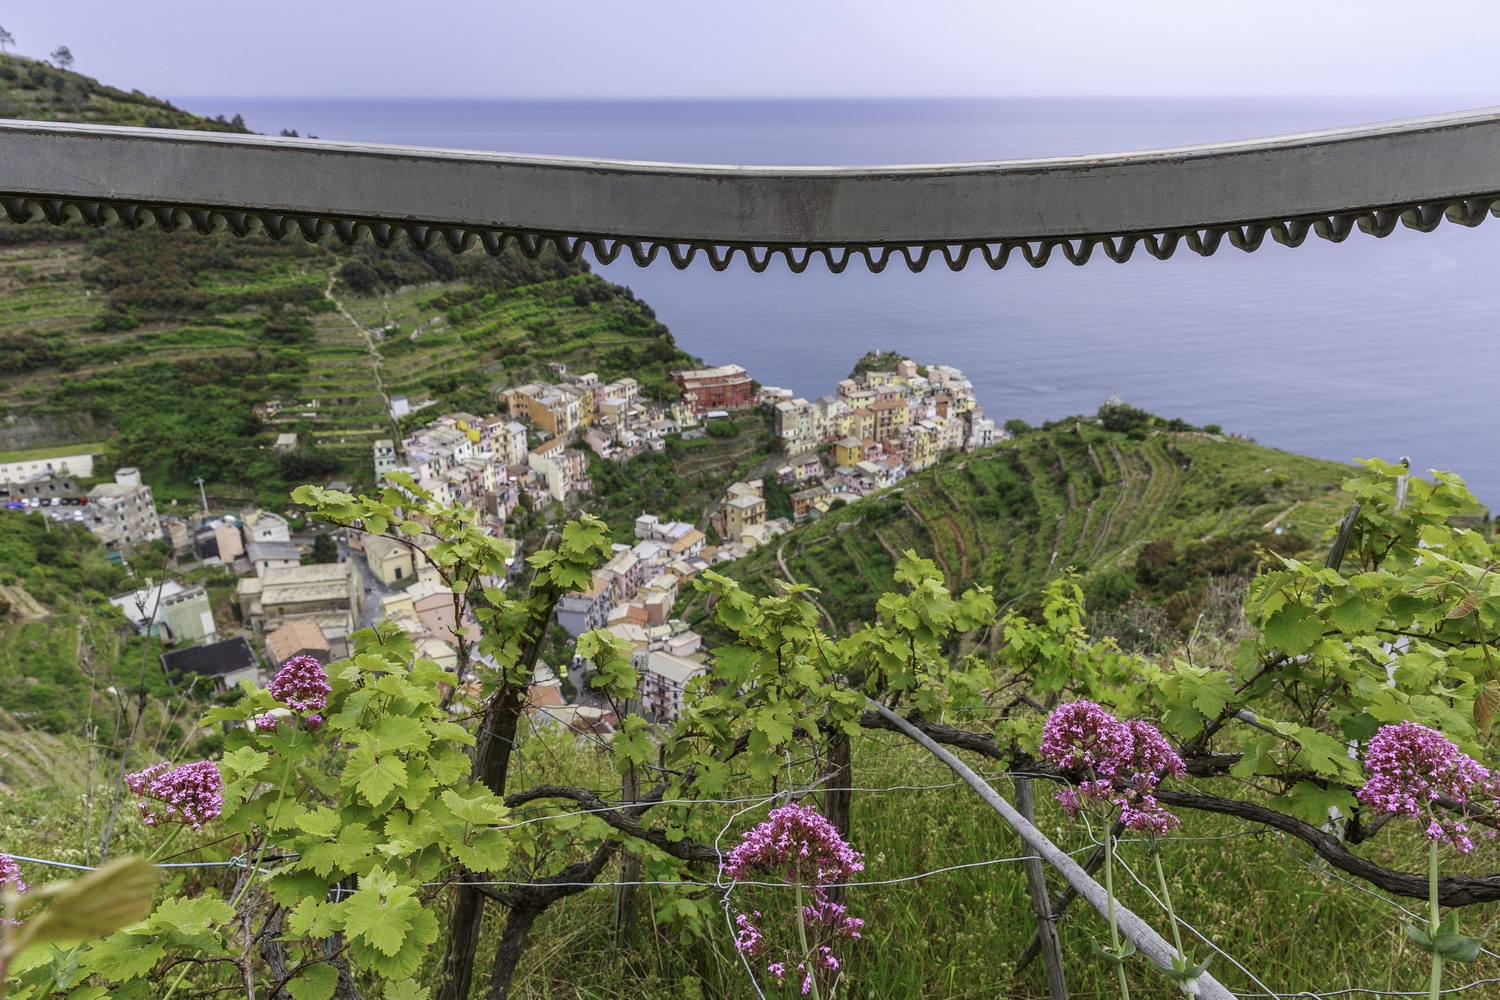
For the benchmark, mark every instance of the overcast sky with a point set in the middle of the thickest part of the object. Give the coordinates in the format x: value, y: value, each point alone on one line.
x: 770, y: 48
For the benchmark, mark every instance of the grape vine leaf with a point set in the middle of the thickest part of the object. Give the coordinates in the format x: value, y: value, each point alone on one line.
x: 316, y: 982
x: 1293, y: 629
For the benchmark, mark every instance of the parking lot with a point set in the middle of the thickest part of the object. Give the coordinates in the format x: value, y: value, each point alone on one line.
x: 57, y: 508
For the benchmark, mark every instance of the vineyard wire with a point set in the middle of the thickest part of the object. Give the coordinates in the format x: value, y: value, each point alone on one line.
x: 1196, y: 933
x: 1330, y: 873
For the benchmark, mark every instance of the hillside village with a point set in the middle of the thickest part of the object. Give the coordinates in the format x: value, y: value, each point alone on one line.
x: 532, y: 453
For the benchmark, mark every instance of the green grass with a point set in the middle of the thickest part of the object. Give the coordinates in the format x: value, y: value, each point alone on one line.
x: 952, y: 935
x: 57, y: 451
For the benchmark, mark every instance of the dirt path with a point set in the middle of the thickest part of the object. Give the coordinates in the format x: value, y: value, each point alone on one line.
x: 369, y: 338
x: 23, y: 604
x: 781, y: 561
x: 1273, y: 522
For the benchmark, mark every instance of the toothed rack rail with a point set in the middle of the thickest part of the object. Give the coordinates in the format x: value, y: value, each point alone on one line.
x: 1416, y: 172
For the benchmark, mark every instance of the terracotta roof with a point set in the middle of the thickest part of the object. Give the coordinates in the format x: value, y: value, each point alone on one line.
x: 544, y: 696
x: 293, y: 638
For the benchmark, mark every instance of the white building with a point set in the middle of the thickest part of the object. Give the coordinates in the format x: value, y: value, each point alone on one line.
x: 80, y: 466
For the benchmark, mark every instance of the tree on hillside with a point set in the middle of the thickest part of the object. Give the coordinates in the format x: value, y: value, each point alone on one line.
x: 6, y: 38
x: 63, y: 57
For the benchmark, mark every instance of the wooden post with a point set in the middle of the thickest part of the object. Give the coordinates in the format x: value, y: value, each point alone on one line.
x: 837, y: 797
x: 1041, y: 904
x: 630, y: 865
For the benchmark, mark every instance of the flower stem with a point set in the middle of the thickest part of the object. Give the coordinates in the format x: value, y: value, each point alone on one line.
x: 1109, y: 892
x: 1166, y: 898
x: 166, y: 842
x: 807, y: 958
x: 1434, y: 919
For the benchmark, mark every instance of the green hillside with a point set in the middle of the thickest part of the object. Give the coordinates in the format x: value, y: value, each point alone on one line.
x: 32, y: 89
x: 1073, y: 494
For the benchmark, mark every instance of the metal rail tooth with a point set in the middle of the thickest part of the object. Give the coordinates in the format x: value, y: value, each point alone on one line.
x: 1247, y: 238
x: 128, y: 216
x: 758, y: 262
x: 509, y: 239
x: 1161, y: 245
x: 605, y: 251
x: 380, y: 234
x: 53, y: 211
x: 1469, y: 212
x: 312, y: 230
x: 570, y: 248
x: 1379, y: 223
x: 165, y: 218
x: 460, y: 240
x: 678, y: 257
x: 917, y: 264
x: 492, y: 242
x: 956, y: 255
x: 1119, y: 248
x: 997, y: 255
x: 641, y: 253
x: 238, y: 223
x: 1078, y: 251
x: 92, y: 214
x: 1291, y: 232
x: 1204, y: 242
x: 837, y: 258
x: 531, y: 245
x: 346, y: 231
x: 277, y: 226
x: 1422, y: 218
x: 1039, y: 256
x: 795, y: 263
x: 1334, y: 228
x: 18, y: 210
x: 872, y: 263
x: 202, y: 221
x: 718, y: 256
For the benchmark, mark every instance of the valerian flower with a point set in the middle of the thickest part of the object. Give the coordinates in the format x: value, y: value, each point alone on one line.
x: 1122, y: 763
x: 798, y: 845
x: 301, y: 684
x: 191, y: 794
x: 10, y: 874
x: 1082, y: 736
x: 1410, y: 767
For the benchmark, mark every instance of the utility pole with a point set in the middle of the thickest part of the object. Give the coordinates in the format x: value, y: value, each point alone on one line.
x: 202, y: 495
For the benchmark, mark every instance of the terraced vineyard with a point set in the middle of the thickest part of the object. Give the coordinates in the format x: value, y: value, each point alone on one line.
x: 450, y: 340
x: 1074, y: 495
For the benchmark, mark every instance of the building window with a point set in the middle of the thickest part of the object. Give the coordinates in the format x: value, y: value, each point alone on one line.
x: 398, y: 572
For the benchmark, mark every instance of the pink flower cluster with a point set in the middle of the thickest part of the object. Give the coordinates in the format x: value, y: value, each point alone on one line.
x: 799, y: 846
x: 301, y: 684
x: 1410, y: 767
x: 191, y: 794
x: 10, y: 873
x: 1121, y: 763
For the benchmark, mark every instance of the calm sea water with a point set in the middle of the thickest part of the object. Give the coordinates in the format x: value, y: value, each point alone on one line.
x: 1372, y: 347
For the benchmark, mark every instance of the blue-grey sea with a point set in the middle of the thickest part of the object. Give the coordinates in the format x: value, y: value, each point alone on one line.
x: 1371, y: 347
